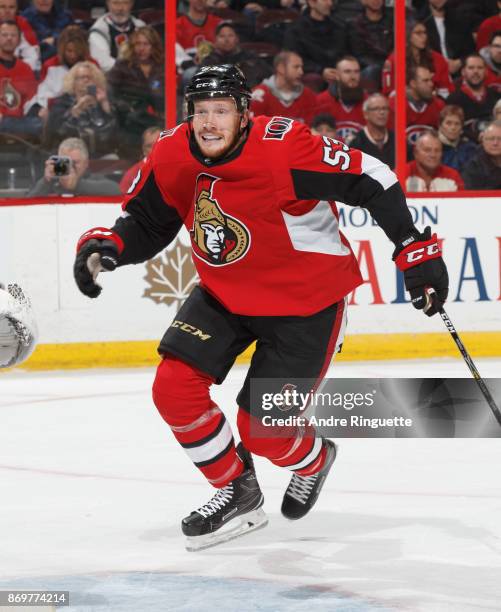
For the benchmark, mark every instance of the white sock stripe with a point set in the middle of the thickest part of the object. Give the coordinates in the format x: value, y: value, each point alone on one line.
x: 206, y: 416
x: 310, y: 457
x: 211, y: 448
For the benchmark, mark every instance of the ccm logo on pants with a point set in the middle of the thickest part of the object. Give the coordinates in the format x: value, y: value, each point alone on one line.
x: 190, y: 329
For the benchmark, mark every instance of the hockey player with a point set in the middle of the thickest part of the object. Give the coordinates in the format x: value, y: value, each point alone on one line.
x: 18, y: 328
x: 259, y: 202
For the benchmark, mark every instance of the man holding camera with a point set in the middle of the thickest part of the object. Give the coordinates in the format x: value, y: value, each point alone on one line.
x: 67, y: 174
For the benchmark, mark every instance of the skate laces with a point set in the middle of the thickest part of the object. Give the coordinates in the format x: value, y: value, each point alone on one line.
x: 219, y: 501
x: 300, y: 487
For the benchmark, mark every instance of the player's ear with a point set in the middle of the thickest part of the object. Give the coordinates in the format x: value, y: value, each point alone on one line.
x: 244, y: 121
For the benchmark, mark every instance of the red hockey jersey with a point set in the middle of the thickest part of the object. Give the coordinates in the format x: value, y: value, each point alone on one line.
x: 263, y: 221
x: 17, y: 85
x: 419, y: 118
x: 189, y: 35
x: 264, y: 102
x: 349, y: 119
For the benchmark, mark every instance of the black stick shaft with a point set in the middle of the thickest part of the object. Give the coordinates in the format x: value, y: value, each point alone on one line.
x: 469, y: 362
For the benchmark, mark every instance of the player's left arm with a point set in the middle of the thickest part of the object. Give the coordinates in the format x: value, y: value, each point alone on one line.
x: 326, y: 169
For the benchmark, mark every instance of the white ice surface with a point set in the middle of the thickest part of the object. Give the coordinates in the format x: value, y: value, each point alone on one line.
x: 93, y: 487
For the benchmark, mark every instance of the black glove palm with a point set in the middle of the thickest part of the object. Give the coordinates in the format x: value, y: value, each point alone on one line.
x: 93, y: 257
x: 419, y: 258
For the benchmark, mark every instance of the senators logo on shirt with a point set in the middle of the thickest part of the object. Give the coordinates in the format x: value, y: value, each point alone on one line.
x: 216, y: 238
x: 9, y: 96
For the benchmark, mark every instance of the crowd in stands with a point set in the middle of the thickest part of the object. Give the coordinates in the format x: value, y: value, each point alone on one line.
x: 87, y: 77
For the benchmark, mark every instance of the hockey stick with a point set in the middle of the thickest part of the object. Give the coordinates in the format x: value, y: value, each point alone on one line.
x: 469, y: 362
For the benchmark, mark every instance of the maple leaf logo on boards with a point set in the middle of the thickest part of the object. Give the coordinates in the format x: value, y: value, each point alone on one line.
x: 171, y: 276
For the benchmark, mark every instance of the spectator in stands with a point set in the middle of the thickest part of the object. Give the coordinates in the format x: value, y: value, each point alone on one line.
x: 487, y: 28
x: 284, y: 93
x: 196, y: 27
x: 484, y: 170
x: 492, y: 56
x: 323, y: 124
x: 48, y: 19
x: 375, y: 138
x: 450, y: 31
x: 473, y: 96
x: 423, y: 107
x: 137, y: 87
x: 371, y: 38
x: 17, y: 86
x: 28, y: 49
x: 496, y: 111
x: 318, y: 38
x: 150, y: 136
x: 227, y: 50
x: 426, y: 172
x: 109, y: 32
x: 344, y: 99
x: 419, y: 53
x: 72, y: 47
x: 84, y: 111
x: 79, y: 181
x: 457, y: 149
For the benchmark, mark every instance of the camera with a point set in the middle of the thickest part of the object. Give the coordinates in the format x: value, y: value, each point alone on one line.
x: 62, y: 165
x: 92, y: 90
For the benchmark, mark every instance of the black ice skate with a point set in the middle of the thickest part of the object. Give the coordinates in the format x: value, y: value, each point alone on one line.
x: 233, y: 511
x: 303, y: 491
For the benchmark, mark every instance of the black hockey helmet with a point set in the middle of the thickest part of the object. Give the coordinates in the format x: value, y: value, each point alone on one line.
x: 220, y: 81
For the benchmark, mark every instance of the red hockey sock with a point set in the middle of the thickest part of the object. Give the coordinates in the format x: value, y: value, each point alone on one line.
x: 181, y: 395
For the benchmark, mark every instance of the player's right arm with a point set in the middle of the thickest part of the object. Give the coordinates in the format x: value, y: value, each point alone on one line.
x: 148, y: 224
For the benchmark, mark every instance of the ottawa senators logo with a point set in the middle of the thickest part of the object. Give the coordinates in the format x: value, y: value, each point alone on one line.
x: 9, y: 96
x: 217, y: 238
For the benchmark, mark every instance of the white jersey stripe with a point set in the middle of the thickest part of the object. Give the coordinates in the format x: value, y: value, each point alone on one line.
x: 378, y: 171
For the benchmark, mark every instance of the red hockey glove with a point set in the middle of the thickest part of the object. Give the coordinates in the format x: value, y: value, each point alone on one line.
x: 97, y: 250
x: 419, y: 257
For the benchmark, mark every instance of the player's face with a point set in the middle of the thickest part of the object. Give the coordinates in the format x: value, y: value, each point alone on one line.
x: 8, y: 10
x: 119, y: 10
x: 349, y: 73
x: 293, y: 70
x: 419, y: 37
x: 474, y: 71
x: 491, y: 141
x: 142, y: 48
x: 451, y: 127
x: 428, y: 152
x: 226, y: 40
x: 9, y: 37
x: 495, y: 49
x: 216, y: 126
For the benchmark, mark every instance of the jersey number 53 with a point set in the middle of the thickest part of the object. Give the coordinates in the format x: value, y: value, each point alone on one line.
x: 338, y: 157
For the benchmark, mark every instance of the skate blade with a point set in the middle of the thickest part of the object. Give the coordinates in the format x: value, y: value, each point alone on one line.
x: 244, y: 524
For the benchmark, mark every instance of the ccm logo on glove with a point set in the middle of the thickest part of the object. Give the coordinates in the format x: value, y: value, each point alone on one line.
x: 411, y: 255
